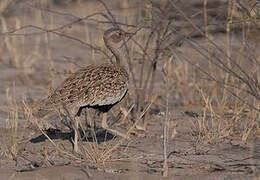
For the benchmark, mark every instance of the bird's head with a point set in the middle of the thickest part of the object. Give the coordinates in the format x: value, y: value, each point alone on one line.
x: 115, y: 37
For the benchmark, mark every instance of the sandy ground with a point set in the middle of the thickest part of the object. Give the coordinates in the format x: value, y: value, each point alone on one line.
x: 140, y: 157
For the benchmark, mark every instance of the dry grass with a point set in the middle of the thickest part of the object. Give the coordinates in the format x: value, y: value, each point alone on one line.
x: 12, y: 123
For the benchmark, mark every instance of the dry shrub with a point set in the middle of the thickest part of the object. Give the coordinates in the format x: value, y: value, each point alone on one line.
x: 226, y: 82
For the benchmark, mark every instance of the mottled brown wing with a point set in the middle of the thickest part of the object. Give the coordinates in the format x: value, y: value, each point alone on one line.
x: 94, y: 85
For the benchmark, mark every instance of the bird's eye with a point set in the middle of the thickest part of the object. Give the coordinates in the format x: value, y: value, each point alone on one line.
x: 119, y: 34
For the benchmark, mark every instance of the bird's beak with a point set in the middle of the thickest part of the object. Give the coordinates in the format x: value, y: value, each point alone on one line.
x: 129, y: 35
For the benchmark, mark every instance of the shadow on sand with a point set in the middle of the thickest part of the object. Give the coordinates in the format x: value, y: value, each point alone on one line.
x: 101, y: 136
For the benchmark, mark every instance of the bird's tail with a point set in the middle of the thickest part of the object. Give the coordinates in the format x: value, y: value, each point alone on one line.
x: 38, y: 112
x: 39, y: 109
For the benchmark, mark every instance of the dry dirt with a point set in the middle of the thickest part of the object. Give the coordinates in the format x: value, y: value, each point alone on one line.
x: 140, y: 157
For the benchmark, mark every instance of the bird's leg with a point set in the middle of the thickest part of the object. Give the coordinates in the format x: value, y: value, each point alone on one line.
x: 79, y: 111
x: 105, y: 126
x: 76, y: 130
x: 104, y: 121
x: 90, y: 123
x: 76, y: 134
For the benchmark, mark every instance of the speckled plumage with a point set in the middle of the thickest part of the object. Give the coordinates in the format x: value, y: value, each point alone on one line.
x: 103, y: 84
x: 94, y: 85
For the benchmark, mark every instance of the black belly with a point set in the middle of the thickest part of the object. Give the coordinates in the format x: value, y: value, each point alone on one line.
x: 103, y: 108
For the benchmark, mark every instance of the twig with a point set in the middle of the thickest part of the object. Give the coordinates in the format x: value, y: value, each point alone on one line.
x: 113, y: 20
x: 166, y: 121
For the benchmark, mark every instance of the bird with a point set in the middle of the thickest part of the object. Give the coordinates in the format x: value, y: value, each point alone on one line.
x: 94, y: 86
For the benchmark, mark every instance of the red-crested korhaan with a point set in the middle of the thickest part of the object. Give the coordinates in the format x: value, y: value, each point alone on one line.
x: 95, y: 86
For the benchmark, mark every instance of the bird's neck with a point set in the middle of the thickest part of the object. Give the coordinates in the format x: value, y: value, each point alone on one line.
x: 117, y: 53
